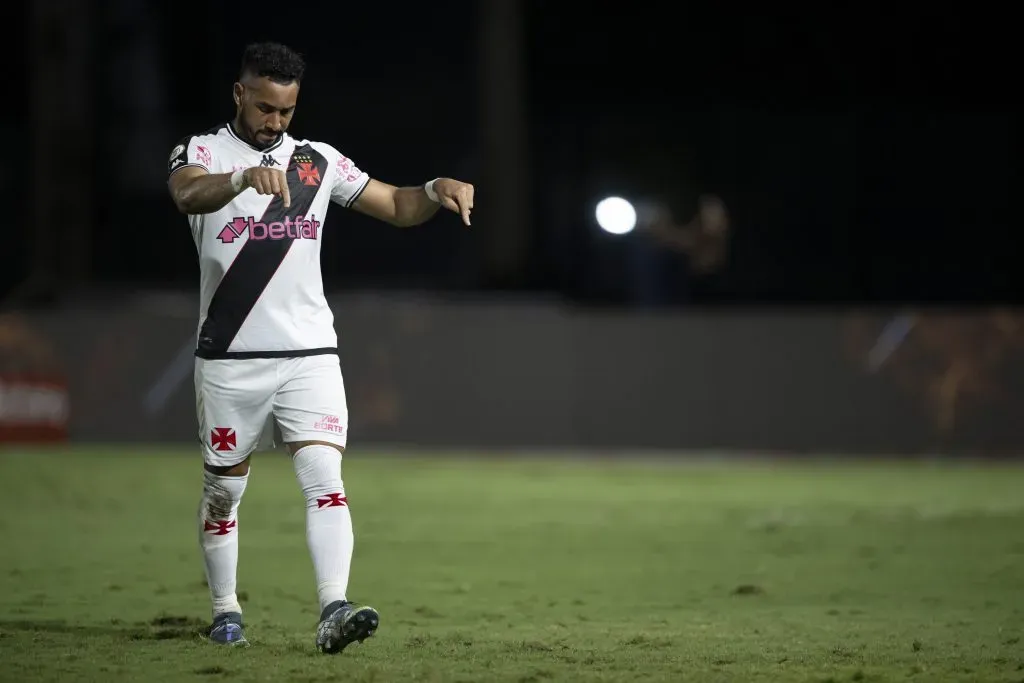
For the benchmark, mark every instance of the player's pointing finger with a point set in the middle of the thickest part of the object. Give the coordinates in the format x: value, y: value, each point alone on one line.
x: 286, y: 194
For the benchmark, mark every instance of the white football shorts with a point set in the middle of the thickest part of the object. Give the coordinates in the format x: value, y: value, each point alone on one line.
x: 247, y: 404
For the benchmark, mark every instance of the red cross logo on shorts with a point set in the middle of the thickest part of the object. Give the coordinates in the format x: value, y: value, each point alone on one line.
x: 331, y: 500
x: 222, y: 439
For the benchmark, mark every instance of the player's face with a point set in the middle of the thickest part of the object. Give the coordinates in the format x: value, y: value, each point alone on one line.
x: 265, y: 109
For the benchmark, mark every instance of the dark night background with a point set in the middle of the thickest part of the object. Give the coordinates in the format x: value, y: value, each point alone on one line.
x: 863, y: 155
x: 817, y: 317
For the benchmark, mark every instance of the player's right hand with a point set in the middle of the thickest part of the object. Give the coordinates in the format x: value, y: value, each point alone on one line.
x: 268, y: 181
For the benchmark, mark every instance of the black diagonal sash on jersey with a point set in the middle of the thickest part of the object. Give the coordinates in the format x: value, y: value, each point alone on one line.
x: 256, y: 263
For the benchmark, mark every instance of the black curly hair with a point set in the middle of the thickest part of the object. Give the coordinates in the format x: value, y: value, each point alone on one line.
x: 275, y: 61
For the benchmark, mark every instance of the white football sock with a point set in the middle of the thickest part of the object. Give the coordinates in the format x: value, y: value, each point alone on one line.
x: 328, y: 522
x: 218, y: 537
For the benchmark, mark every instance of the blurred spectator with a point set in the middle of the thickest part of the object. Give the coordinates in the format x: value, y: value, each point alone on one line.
x: 667, y: 255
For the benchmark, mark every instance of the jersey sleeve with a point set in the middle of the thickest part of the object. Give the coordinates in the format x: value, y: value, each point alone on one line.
x: 190, y: 151
x: 349, y: 180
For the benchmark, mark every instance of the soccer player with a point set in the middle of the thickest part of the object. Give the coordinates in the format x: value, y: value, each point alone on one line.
x: 256, y: 199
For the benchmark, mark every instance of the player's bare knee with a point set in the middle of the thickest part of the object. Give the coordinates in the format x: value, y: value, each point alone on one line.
x: 294, y: 447
x: 238, y: 470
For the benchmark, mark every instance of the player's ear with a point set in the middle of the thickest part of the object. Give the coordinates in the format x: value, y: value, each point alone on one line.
x: 237, y: 92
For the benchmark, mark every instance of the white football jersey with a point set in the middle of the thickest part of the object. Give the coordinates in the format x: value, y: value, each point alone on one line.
x: 261, y: 290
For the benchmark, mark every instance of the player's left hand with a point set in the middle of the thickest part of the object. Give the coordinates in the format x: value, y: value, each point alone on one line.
x: 456, y: 196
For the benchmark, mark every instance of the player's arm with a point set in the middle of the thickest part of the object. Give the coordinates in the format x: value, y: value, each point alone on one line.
x: 408, y: 206
x: 197, y: 191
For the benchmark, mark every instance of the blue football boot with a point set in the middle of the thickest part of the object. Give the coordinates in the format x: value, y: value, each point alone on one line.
x: 227, y: 629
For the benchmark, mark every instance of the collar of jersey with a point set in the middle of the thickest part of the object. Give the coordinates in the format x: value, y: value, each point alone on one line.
x: 235, y: 135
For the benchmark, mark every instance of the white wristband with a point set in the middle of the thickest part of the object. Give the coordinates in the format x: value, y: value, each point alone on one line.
x: 429, y: 189
x: 237, y: 179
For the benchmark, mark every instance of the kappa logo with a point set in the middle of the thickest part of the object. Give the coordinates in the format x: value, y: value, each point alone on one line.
x: 298, y: 228
x: 269, y: 160
x: 177, y: 157
x: 309, y: 174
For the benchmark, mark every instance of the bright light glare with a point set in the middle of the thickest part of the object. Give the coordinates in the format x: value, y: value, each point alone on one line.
x: 615, y: 215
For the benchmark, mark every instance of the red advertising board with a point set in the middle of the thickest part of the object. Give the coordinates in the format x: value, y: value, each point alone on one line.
x: 34, y: 398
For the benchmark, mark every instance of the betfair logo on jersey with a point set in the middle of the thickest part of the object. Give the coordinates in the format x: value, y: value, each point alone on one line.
x: 309, y: 174
x: 298, y: 228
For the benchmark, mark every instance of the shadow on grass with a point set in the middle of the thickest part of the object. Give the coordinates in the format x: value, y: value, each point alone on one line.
x: 163, y: 627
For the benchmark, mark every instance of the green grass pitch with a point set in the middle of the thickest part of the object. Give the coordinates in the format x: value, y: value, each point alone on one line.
x: 524, y: 570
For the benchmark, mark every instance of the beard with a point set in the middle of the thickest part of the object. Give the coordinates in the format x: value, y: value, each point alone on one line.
x: 263, y: 139
x: 260, y: 138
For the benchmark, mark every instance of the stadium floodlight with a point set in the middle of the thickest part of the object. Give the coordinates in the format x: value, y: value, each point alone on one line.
x: 615, y: 215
